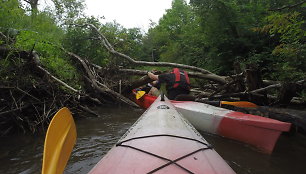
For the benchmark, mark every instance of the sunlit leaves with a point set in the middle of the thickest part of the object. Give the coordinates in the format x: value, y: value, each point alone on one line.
x: 12, y: 16
x: 288, y: 25
x: 176, y: 37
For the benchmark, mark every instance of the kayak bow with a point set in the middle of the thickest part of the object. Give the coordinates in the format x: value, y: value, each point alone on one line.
x: 162, y: 141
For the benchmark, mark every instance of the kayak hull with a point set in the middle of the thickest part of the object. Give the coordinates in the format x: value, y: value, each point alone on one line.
x: 257, y: 131
x: 161, y: 141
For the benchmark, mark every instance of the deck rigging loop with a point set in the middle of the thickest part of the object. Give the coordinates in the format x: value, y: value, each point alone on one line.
x: 163, y: 107
x: 208, y: 146
x: 162, y: 96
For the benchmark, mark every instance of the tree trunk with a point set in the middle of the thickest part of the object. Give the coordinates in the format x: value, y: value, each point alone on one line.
x: 254, y: 81
x: 286, y: 93
x: 34, y: 6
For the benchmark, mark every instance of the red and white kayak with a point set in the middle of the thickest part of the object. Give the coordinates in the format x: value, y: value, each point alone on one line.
x: 162, y: 141
x: 258, y: 131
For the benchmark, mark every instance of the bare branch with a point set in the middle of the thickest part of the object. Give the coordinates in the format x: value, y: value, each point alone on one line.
x: 117, y: 95
x: 254, y: 92
x: 27, y: 94
x: 27, y: 1
x: 2, y: 35
x: 211, y: 76
x: 37, y: 62
x: 14, y: 110
x: 95, y: 83
x: 265, y: 88
x: 288, y: 6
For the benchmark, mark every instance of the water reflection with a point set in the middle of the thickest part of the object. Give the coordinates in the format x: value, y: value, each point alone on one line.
x: 96, y: 135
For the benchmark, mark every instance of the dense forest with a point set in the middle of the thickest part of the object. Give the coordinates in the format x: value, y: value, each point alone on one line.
x: 58, y: 56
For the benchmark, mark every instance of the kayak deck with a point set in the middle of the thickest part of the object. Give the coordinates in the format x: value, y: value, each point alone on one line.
x: 258, y: 131
x: 161, y: 141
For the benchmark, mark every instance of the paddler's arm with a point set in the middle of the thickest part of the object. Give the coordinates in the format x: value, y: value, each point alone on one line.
x: 158, y: 79
x: 152, y: 76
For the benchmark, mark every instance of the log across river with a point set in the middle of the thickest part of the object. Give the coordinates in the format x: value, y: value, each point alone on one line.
x: 96, y: 135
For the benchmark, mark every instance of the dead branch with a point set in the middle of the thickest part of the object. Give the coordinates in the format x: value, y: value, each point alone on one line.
x: 222, y: 88
x: 14, y: 110
x: 3, y: 36
x: 240, y: 94
x: 117, y: 95
x: 144, y: 80
x: 143, y: 72
x: 96, y: 84
x: 33, y: 57
x: 39, y: 66
x: 266, y: 88
x: 84, y: 65
x: 58, y: 80
x: 288, y: 6
x: 137, y: 83
x: 26, y: 93
x: 86, y: 109
x: 209, y: 75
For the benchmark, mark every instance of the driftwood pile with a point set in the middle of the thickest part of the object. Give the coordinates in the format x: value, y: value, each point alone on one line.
x: 31, y: 106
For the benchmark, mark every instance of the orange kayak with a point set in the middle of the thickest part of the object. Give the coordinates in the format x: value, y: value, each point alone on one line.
x: 162, y: 141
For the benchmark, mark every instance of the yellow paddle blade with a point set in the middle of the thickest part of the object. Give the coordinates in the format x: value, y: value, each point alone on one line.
x: 139, y: 94
x: 59, y: 142
x: 243, y: 104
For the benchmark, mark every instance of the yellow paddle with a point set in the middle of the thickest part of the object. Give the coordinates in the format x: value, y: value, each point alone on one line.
x: 139, y: 94
x: 59, y: 142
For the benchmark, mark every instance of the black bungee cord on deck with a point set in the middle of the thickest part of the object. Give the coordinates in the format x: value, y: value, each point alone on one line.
x: 208, y: 146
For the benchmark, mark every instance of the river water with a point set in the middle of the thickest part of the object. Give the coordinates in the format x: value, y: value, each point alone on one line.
x: 96, y: 135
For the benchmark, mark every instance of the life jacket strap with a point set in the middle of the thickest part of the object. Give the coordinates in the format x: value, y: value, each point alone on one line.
x: 177, y: 74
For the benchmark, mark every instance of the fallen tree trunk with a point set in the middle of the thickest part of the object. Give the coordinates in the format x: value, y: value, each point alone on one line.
x: 143, y: 72
x: 255, y: 90
x: 209, y: 75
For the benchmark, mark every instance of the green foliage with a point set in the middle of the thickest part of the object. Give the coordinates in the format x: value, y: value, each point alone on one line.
x: 226, y: 28
x: 212, y: 34
x: 64, y: 69
x: 86, y: 42
x: 34, y: 33
x: 12, y: 16
x: 67, y: 11
x: 127, y: 41
x: 288, y: 26
x: 177, y: 37
x: 290, y: 53
x: 230, y: 34
x: 37, y: 36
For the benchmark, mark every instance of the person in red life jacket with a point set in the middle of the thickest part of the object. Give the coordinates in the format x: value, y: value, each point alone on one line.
x: 177, y: 82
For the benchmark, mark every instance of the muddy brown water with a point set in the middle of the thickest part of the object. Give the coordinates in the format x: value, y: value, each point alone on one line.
x: 96, y: 135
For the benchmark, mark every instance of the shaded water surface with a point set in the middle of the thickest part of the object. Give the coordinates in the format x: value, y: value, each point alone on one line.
x: 96, y: 135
